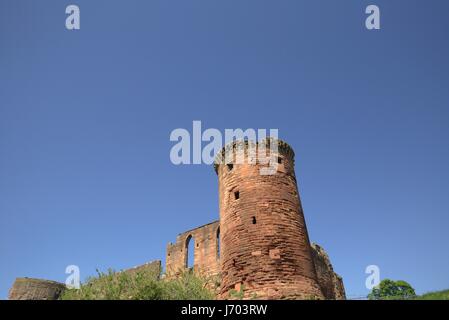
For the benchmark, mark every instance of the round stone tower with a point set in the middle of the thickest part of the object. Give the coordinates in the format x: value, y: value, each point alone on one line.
x: 265, y: 248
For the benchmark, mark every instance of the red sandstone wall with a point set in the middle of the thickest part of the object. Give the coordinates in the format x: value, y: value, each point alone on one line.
x: 331, y: 283
x: 206, y: 258
x: 264, y: 240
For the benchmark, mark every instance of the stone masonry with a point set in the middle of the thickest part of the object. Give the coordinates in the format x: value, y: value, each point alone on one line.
x: 261, y: 245
x: 206, y: 253
x: 331, y: 283
x: 35, y: 289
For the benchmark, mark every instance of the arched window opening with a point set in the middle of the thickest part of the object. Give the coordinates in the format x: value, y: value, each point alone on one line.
x: 218, y: 243
x: 190, y: 252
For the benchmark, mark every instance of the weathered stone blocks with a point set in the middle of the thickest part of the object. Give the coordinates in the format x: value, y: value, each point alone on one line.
x: 265, y: 246
x: 35, y: 289
x: 206, y: 251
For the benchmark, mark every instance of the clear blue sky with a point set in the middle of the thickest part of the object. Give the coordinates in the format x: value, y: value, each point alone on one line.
x: 85, y: 119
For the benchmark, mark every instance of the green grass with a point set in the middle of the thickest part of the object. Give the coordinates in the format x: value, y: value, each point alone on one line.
x: 437, y: 295
x: 141, y: 285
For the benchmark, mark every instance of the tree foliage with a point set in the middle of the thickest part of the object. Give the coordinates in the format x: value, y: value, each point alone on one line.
x: 390, y: 289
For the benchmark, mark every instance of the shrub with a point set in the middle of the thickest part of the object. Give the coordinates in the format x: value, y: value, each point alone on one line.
x: 140, y: 285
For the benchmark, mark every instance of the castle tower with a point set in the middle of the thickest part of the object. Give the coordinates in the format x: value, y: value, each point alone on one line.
x: 265, y: 248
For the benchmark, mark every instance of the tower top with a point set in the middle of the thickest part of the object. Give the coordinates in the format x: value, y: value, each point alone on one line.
x: 239, y: 145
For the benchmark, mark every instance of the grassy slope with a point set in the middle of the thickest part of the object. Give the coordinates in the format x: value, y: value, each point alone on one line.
x: 437, y: 295
x: 141, y: 285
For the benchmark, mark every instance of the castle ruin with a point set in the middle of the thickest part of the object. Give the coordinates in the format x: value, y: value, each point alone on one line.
x: 260, y: 245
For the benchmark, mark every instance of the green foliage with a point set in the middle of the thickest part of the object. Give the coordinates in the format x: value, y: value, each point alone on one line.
x: 437, y: 295
x: 392, y: 290
x: 186, y: 287
x: 140, y: 285
x: 237, y: 295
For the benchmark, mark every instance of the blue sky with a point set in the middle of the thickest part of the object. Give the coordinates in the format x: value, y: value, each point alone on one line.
x: 85, y: 120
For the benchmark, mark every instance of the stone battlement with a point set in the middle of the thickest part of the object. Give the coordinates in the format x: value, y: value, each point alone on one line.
x: 229, y: 152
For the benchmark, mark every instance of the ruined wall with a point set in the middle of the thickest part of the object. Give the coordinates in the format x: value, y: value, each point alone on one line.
x: 206, y: 254
x: 35, y: 289
x: 39, y: 289
x: 264, y: 240
x: 331, y: 283
x: 153, y: 268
